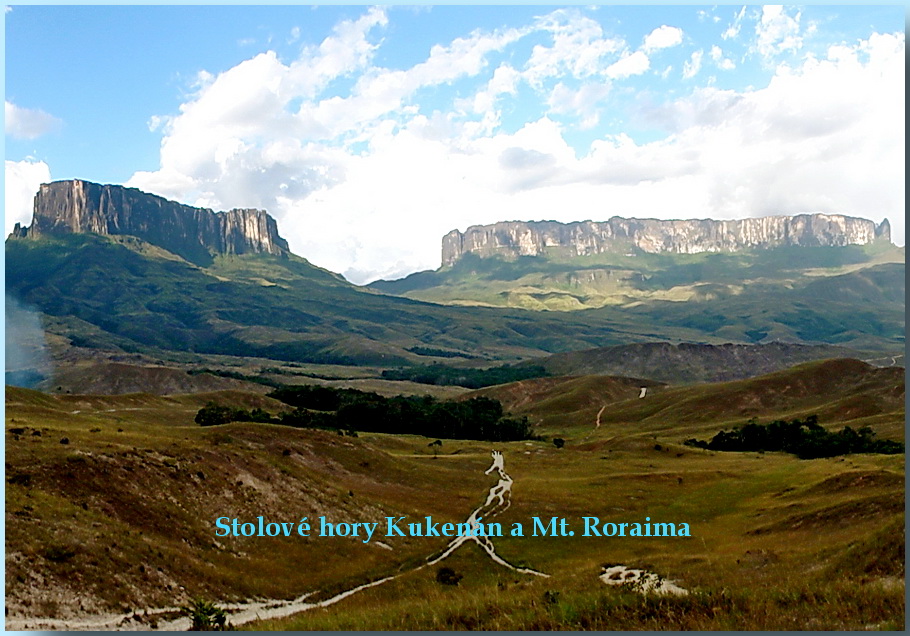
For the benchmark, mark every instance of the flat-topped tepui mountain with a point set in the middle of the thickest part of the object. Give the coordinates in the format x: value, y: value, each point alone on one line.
x: 76, y: 206
x: 518, y: 238
x: 112, y: 269
x: 625, y: 262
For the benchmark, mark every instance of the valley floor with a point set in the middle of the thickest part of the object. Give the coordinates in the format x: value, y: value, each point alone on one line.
x: 112, y: 501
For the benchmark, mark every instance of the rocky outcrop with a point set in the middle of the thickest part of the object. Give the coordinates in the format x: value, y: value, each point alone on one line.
x: 518, y: 238
x: 65, y: 207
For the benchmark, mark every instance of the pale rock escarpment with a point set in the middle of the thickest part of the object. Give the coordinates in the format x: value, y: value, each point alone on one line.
x: 518, y: 238
x: 65, y: 207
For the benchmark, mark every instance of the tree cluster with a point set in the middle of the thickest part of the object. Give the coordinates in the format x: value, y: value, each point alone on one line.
x: 804, y: 438
x: 352, y: 410
x: 212, y: 414
x: 442, y: 375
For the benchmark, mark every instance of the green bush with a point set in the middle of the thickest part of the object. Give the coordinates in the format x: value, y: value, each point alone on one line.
x: 447, y: 576
x: 205, y: 616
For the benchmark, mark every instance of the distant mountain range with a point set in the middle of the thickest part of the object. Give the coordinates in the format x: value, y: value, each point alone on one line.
x: 114, y: 269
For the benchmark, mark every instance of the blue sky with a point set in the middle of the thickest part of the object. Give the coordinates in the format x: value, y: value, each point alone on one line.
x: 369, y: 132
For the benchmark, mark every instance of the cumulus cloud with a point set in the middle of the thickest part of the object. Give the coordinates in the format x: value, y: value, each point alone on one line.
x: 692, y: 66
x: 826, y: 136
x: 723, y: 63
x: 777, y: 32
x: 663, y: 37
x: 27, y: 123
x: 579, y: 47
x: 367, y: 181
x: 633, y: 64
x: 22, y: 181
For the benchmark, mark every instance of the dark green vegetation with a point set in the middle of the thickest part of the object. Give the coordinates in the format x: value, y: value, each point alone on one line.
x: 804, y: 438
x: 573, y: 282
x: 205, y: 616
x: 213, y: 414
x: 124, y: 295
x: 441, y: 374
x: 851, y: 296
x: 118, y: 295
x: 477, y: 418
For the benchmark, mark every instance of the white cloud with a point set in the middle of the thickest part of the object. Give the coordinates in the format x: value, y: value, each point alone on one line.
x: 733, y: 30
x: 582, y: 103
x: 777, y: 32
x: 579, y: 48
x: 827, y: 136
x: 22, y: 181
x: 628, y: 65
x: 26, y: 123
x: 366, y: 183
x: 485, y: 101
x: 692, y: 66
x: 724, y: 63
x: 663, y: 37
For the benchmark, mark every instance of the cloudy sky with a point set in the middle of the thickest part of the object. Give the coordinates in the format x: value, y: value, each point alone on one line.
x: 369, y: 132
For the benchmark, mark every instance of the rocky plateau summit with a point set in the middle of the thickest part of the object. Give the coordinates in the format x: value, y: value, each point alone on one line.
x: 512, y: 239
x: 75, y: 206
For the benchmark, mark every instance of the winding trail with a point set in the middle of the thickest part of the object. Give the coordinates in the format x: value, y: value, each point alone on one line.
x: 498, y: 501
x: 893, y: 360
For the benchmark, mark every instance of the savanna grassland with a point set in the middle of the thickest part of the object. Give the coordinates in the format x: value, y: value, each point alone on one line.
x: 119, y: 518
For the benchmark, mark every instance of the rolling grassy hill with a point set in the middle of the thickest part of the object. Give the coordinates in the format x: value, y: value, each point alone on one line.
x: 119, y: 294
x: 613, y: 278
x: 850, y: 296
x: 691, y: 363
x: 840, y: 391
x: 119, y: 519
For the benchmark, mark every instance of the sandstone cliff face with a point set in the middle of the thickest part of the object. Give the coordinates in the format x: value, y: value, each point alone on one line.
x: 65, y: 207
x: 516, y: 238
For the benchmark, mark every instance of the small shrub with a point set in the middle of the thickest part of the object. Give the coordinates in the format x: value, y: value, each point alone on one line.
x: 205, y: 616
x: 559, y: 442
x: 21, y: 479
x: 447, y: 576
x: 59, y: 554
